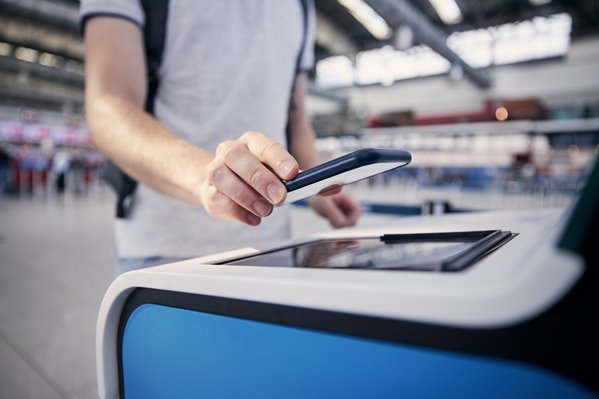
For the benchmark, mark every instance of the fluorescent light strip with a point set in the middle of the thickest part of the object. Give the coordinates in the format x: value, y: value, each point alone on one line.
x: 539, y: 2
x: 372, y: 21
x: 448, y: 11
x: 5, y: 48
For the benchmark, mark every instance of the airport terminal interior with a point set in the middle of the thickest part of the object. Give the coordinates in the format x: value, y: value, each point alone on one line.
x: 497, y: 101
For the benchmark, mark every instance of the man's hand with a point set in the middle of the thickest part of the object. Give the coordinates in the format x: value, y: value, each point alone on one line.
x: 243, y: 181
x: 341, y: 210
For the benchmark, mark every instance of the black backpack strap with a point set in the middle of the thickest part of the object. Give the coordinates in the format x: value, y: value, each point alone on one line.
x: 156, y: 13
x: 300, y: 54
x: 298, y: 61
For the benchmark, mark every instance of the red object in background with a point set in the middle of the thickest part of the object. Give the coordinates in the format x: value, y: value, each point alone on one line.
x: 88, y: 176
x: 521, y: 157
x: 14, y: 174
x: 391, y: 119
x: 526, y: 108
x: 461, y: 117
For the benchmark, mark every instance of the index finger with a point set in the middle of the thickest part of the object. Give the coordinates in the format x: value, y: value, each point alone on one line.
x: 271, y: 153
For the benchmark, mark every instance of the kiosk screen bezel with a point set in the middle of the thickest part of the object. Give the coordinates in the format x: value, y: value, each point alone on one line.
x: 440, y: 252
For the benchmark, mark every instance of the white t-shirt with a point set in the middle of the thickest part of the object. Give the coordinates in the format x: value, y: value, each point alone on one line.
x: 227, y: 68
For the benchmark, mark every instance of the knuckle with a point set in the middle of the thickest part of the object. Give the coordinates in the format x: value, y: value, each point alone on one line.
x: 270, y: 147
x: 257, y: 178
x: 224, y: 146
x: 245, y: 198
x: 249, y: 136
x: 244, y: 195
x: 233, y: 152
x: 215, y: 172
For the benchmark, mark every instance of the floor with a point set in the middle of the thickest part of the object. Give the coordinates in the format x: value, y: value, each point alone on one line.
x: 54, y: 269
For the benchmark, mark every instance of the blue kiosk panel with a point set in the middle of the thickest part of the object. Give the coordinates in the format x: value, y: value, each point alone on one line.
x: 169, y: 352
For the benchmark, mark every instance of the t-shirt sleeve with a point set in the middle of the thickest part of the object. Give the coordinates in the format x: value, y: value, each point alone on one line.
x: 307, y: 61
x: 127, y: 9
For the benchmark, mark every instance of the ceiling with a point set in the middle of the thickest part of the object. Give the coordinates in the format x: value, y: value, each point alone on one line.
x: 476, y: 14
x: 50, y: 26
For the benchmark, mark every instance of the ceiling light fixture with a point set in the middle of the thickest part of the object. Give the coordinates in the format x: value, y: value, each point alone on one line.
x: 539, y: 2
x: 448, y: 11
x: 372, y: 21
x: 5, y: 48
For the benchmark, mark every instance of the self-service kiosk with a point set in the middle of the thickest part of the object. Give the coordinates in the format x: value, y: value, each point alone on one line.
x: 488, y: 304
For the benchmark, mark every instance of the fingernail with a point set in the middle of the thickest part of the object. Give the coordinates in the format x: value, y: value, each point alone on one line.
x: 286, y: 168
x: 275, y: 193
x: 263, y: 208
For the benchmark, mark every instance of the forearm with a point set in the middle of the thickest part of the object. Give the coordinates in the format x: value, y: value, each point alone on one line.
x: 301, y: 137
x: 115, y: 92
x: 240, y: 181
x: 302, y: 145
x: 145, y: 150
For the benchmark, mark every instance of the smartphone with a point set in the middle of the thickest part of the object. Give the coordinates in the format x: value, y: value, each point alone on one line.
x: 346, y: 169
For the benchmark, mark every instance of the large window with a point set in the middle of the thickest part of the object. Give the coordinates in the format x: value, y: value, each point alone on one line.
x: 535, y: 39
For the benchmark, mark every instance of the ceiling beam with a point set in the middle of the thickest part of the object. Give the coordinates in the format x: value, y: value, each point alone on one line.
x: 401, y: 12
x: 333, y: 39
x: 41, y: 38
x: 41, y: 48
x: 57, y: 15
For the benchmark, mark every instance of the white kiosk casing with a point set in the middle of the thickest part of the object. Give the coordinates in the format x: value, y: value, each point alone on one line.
x: 518, y: 281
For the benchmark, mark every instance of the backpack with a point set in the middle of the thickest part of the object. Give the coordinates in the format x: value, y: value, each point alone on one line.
x: 156, y: 12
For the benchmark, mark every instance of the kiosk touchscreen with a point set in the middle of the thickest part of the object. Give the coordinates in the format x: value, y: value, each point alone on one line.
x: 424, y: 252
